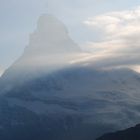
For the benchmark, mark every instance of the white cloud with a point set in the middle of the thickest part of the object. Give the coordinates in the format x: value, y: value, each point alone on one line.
x: 136, y: 68
x: 120, y: 36
x: 122, y: 23
x: 1, y: 71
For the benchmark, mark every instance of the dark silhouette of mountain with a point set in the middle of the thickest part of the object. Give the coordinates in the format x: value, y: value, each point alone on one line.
x: 132, y: 133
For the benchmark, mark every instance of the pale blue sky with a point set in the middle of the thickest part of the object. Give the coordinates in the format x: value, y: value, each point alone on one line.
x: 18, y: 20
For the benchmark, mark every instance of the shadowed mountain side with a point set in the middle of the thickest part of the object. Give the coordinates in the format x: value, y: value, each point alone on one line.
x: 74, y: 103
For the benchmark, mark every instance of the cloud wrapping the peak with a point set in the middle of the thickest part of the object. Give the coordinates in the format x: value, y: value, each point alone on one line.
x: 120, y: 36
x: 1, y: 71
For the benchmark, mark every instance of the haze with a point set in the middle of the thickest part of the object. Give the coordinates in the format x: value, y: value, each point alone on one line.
x: 117, y: 37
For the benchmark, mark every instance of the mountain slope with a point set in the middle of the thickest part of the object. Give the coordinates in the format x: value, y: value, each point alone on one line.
x: 74, y: 101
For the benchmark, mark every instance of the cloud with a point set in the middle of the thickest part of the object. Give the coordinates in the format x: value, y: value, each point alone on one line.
x: 122, y: 22
x: 1, y: 71
x: 120, y: 31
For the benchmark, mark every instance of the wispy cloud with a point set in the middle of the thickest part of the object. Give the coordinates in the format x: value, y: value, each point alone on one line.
x: 120, y: 36
x: 1, y: 71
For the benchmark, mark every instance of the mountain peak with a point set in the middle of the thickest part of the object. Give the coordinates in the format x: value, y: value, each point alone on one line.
x: 50, y: 48
x: 51, y: 37
x: 48, y: 22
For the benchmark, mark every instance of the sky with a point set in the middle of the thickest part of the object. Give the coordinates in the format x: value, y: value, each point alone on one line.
x: 107, y: 28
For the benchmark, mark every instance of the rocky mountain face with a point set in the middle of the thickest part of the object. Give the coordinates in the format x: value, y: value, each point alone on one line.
x: 44, y: 96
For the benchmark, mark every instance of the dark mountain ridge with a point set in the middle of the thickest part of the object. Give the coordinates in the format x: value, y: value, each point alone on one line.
x: 132, y: 133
